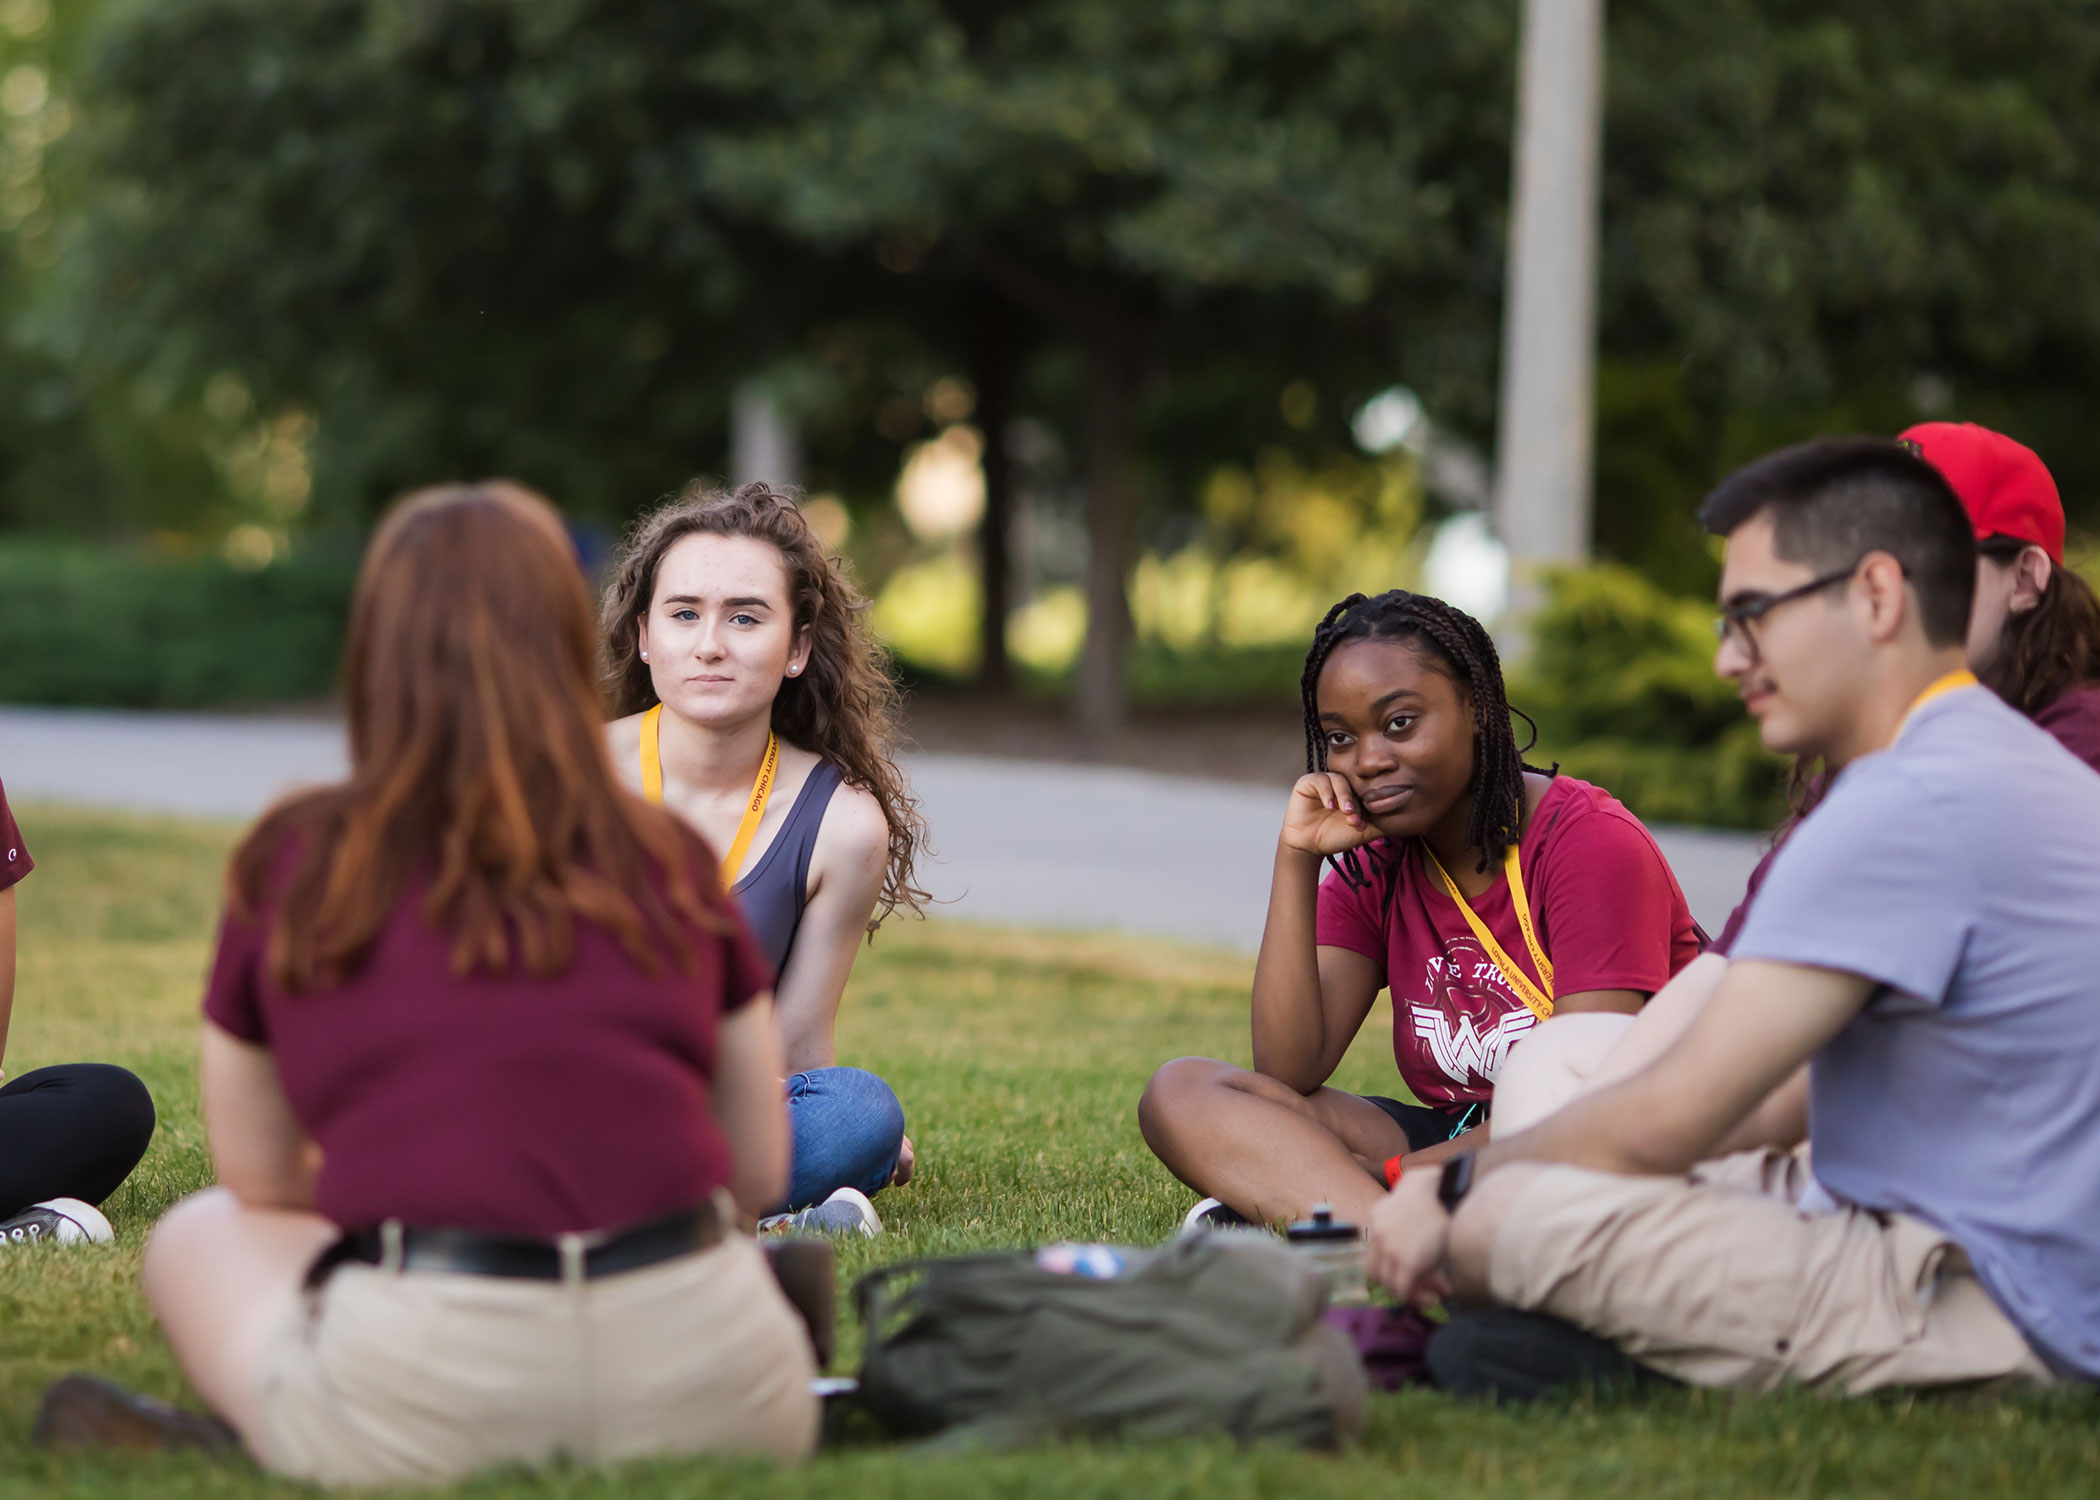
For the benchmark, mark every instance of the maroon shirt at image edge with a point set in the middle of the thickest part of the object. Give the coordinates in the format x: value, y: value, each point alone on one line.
x: 2074, y: 719
x: 498, y: 1103
x: 14, y: 854
x: 1604, y: 903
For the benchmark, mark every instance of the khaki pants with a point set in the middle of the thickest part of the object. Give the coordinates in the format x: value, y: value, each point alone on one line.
x: 386, y: 1378
x: 1718, y: 1280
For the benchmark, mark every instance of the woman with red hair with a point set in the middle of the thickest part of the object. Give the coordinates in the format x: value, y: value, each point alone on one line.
x: 489, y: 1072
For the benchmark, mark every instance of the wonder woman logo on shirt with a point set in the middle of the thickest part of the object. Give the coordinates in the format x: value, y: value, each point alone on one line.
x: 1469, y: 1019
x: 1464, y: 1052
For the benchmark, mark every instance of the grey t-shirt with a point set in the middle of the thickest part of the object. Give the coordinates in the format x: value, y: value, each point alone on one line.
x: 1960, y: 868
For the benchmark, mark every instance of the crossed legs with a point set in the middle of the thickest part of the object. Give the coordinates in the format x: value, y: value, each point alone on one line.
x: 222, y: 1279
x: 1262, y: 1148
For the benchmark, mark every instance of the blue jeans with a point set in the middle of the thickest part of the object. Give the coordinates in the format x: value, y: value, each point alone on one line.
x: 848, y: 1128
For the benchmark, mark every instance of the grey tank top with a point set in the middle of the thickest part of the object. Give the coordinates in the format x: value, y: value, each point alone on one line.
x: 774, y: 893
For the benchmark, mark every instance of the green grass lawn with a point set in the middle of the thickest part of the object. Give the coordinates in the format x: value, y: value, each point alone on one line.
x: 1019, y: 1058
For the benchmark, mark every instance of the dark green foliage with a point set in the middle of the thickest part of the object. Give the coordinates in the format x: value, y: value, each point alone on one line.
x: 1841, y: 216
x: 1622, y: 684
x: 94, y: 625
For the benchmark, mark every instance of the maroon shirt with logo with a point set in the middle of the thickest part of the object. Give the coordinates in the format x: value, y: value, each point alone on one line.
x: 2075, y: 721
x: 14, y: 854
x: 498, y: 1102
x: 1604, y: 902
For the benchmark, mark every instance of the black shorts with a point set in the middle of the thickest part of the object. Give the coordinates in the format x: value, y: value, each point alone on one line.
x: 1423, y: 1124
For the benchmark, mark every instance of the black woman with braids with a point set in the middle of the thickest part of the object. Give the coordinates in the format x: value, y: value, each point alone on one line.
x: 1484, y: 893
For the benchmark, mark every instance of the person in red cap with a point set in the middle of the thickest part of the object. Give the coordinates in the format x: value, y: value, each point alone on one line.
x: 2034, y: 630
x: 2034, y: 634
x: 2034, y: 640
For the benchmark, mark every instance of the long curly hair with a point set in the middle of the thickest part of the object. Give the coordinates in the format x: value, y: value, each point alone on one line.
x: 478, y: 768
x: 845, y: 706
x: 1461, y: 646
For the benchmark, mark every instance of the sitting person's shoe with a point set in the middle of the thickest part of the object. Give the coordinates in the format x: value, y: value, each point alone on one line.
x: 81, y: 1411
x: 803, y: 1267
x: 845, y: 1212
x: 57, y: 1221
x: 1504, y: 1354
x: 1211, y: 1214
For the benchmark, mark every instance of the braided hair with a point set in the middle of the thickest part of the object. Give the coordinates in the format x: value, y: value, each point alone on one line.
x: 1462, y: 648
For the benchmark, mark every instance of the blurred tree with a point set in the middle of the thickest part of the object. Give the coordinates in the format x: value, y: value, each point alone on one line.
x: 1277, y: 187
x: 548, y: 236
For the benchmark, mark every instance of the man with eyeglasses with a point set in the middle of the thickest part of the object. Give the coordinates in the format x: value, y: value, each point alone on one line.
x: 1925, y: 943
x: 2034, y: 628
x: 2033, y: 639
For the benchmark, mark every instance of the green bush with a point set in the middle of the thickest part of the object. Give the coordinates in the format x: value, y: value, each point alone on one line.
x: 1621, y: 681
x: 121, y: 628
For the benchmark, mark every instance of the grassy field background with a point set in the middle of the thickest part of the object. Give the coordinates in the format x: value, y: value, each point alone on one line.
x: 1019, y: 1057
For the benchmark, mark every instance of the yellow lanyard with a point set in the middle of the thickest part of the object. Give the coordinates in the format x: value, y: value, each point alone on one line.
x: 1540, y: 1001
x: 754, y: 810
x: 1937, y: 688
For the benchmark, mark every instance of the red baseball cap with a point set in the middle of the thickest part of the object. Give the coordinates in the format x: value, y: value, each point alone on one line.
x: 2003, y: 485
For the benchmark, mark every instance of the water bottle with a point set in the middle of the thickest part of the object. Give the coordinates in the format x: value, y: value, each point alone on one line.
x: 1336, y: 1249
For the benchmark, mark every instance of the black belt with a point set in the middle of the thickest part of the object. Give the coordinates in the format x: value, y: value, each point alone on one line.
x: 474, y: 1253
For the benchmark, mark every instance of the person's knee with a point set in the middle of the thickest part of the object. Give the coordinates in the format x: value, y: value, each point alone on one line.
x: 1551, y: 1065
x: 1478, y: 1222
x: 863, y: 1096
x: 877, y: 1106
x: 1175, y: 1092
x: 123, y: 1103
x: 174, y: 1238
x: 849, y: 1132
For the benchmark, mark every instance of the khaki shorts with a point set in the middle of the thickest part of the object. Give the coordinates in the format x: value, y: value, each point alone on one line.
x: 386, y: 1378
x: 1718, y: 1280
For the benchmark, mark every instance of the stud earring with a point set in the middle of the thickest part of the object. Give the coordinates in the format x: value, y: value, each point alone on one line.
x: 645, y: 656
x: 793, y: 670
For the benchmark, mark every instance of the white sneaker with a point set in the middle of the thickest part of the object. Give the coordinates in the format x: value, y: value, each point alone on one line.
x: 1210, y: 1214
x: 62, y: 1221
x: 845, y: 1212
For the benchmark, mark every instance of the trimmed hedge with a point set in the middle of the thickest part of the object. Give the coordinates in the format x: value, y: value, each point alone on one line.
x: 96, y: 625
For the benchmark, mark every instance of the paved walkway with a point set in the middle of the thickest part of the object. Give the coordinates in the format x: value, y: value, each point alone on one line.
x: 1026, y: 843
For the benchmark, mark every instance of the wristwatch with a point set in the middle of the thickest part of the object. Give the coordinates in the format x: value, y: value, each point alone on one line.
x: 1455, y: 1181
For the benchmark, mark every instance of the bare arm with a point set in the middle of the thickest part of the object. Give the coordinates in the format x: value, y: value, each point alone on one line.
x: 1780, y: 1119
x: 7, y: 968
x: 846, y: 870
x: 261, y: 1153
x: 748, y: 1105
x: 1309, y: 1001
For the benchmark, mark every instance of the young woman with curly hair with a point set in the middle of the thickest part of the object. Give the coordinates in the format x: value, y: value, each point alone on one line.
x: 1483, y: 893
x: 754, y: 702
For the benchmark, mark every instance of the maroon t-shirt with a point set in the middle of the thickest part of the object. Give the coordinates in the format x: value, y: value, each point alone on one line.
x: 1604, y: 902
x: 14, y: 854
x: 498, y: 1103
x: 2075, y: 721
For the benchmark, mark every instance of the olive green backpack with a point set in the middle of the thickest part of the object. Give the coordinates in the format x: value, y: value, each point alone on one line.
x: 1215, y: 1333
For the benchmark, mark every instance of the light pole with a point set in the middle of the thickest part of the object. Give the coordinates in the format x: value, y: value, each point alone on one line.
x: 1549, y: 318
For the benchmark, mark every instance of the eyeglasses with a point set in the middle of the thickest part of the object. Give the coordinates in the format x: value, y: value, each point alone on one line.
x: 1736, y: 619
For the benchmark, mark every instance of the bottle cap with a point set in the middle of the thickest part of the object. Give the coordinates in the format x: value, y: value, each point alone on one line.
x: 1323, y: 1228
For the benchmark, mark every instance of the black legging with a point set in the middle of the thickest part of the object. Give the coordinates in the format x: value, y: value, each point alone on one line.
x: 74, y: 1131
